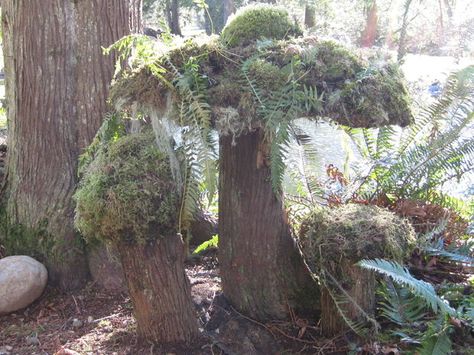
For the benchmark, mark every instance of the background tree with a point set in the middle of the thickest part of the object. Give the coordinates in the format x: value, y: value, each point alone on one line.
x: 172, y: 16
x: 56, y: 88
x: 369, y: 34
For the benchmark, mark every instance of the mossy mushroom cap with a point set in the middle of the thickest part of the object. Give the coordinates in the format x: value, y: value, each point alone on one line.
x: 353, y: 232
x: 128, y: 193
x: 241, y: 82
x: 255, y: 22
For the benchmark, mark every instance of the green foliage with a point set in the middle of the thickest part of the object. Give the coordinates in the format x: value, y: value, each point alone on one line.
x: 21, y: 240
x: 112, y: 128
x: 436, y: 342
x: 127, y: 193
x: 138, y: 51
x: 267, y: 84
x: 333, y: 239
x: 402, y: 276
x: 256, y: 22
x: 211, y: 243
x: 399, y: 305
x: 416, y: 162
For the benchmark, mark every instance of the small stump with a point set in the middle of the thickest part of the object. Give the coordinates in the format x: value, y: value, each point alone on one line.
x: 128, y: 197
x: 333, y: 240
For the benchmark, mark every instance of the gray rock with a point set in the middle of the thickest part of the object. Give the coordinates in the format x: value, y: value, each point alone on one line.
x: 22, y: 281
x: 76, y: 323
x: 105, y: 268
x: 32, y: 340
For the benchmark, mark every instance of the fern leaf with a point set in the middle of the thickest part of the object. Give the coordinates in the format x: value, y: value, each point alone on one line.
x: 211, y: 243
x: 400, y: 306
x: 401, y: 275
x: 439, y: 344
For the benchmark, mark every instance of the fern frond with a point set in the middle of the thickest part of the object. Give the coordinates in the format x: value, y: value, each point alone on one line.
x: 439, y: 344
x: 211, y: 243
x: 455, y: 257
x: 401, y: 275
x: 399, y: 305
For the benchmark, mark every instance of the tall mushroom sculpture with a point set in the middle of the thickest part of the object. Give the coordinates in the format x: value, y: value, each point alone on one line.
x: 252, y: 82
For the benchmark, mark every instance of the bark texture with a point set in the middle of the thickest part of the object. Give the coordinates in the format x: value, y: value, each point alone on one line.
x: 360, y: 285
x: 159, y: 290
x: 262, y: 270
x: 56, y: 85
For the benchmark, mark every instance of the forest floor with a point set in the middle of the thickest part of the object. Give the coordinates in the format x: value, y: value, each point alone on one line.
x: 92, y: 321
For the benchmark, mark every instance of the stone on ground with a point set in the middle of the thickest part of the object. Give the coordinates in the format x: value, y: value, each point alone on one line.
x: 22, y: 281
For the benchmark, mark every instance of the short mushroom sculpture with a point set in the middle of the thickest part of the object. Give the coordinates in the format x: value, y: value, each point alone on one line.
x: 250, y: 85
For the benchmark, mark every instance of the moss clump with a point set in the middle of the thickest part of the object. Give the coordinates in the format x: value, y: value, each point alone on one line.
x: 127, y: 192
x: 257, y: 22
x: 267, y: 76
x: 354, y: 232
x: 377, y: 99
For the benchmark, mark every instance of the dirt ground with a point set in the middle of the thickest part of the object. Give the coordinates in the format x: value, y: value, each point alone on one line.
x: 92, y: 321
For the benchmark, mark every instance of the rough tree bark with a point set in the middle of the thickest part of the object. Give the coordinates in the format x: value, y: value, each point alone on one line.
x: 360, y: 285
x: 56, y: 85
x: 262, y: 270
x: 160, y: 290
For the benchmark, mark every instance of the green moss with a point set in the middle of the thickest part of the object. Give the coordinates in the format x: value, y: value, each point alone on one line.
x: 267, y: 76
x: 354, y: 232
x: 351, y: 91
x: 37, y: 241
x: 377, y: 98
x: 257, y: 22
x: 127, y: 192
x: 330, y: 62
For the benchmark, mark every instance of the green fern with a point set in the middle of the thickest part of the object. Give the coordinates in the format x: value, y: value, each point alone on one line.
x: 111, y: 129
x: 436, y: 340
x: 417, y: 161
x: 211, y: 243
x: 402, y: 276
x: 399, y: 305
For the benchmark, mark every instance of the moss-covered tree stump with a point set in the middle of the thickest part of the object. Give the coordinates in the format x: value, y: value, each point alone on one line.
x: 250, y: 85
x: 333, y: 240
x: 128, y: 197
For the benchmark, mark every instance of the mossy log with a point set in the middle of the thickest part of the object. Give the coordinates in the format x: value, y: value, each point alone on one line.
x: 239, y: 76
x: 333, y: 240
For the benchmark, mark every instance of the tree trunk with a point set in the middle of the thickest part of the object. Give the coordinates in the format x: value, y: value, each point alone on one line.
x: 309, y: 15
x: 360, y: 285
x: 262, y: 270
x: 56, y: 85
x: 370, y: 32
x: 159, y: 290
x: 403, y: 32
x: 172, y: 16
